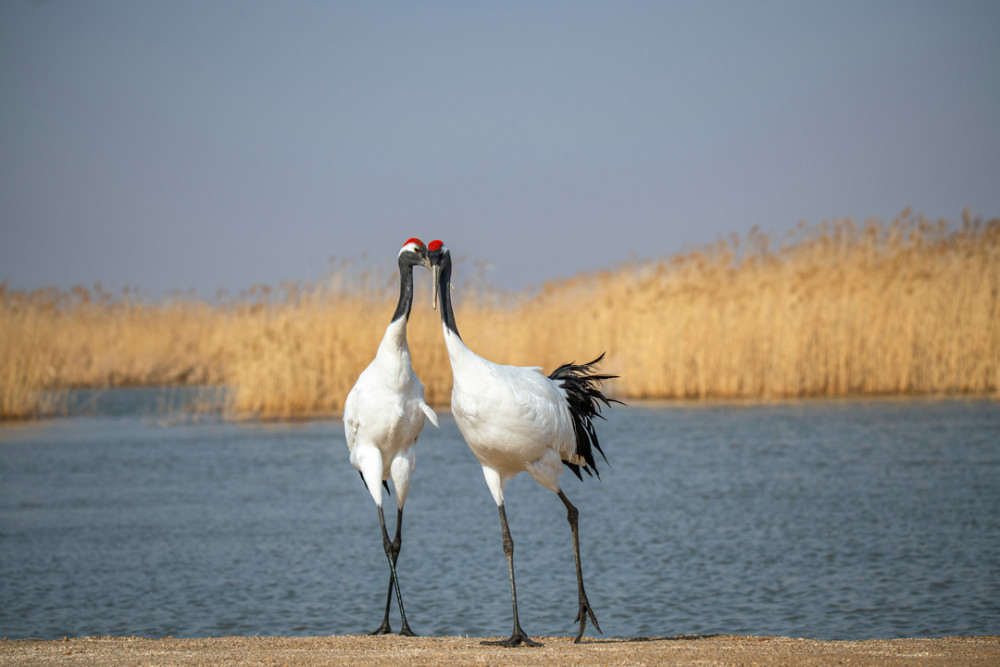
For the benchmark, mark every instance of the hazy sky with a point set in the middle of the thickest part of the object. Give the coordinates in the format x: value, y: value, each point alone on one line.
x: 206, y: 145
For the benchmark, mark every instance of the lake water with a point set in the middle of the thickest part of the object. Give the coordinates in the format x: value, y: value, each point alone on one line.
x: 832, y: 520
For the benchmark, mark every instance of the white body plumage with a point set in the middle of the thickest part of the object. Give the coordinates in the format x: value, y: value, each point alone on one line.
x: 513, y: 418
x: 384, y: 414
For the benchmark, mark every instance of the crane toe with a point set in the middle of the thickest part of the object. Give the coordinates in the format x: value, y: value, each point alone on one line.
x: 383, y: 629
x: 518, y: 638
x: 581, y: 618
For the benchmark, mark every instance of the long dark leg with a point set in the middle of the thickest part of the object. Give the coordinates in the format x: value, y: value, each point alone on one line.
x: 392, y: 554
x: 585, y: 610
x: 396, y: 543
x: 518, y: 636
x: 385, y: 628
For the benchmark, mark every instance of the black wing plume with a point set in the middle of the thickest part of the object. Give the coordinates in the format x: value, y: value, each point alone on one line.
x: 584, y: 396
x: 385, y: 483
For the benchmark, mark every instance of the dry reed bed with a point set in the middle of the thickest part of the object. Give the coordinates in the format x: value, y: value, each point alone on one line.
x: 838, y: 309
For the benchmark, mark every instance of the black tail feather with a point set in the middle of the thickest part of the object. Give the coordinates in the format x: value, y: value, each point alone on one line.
x: 385, y: 483
x: 583, y: 393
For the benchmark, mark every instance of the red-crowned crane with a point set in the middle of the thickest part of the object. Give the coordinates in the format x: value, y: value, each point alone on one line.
x: 516, y: 419
x: 383, y: 416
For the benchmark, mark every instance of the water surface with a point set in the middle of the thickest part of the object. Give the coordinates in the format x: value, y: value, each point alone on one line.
x: 832, y: 520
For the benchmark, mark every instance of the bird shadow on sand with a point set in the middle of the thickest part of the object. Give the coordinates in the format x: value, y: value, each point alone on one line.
x: 672, y: 638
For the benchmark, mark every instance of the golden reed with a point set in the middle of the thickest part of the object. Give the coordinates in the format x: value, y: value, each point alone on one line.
x: 838, y: 309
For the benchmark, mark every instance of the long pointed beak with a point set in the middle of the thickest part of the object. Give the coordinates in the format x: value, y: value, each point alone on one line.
x: 435, y: 279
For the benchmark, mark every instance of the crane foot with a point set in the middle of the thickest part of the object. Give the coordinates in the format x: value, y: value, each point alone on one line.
x: 518, y: 638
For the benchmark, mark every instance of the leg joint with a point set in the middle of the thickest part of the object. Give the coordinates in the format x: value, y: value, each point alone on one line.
x: 508, y: 545
x: 571, y: 512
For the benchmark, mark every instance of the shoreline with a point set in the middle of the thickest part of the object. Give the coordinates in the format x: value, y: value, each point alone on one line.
x: 181, y: 413
x: 393, y: 649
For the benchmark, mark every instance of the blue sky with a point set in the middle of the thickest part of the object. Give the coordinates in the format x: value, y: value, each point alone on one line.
x: 206, y: 145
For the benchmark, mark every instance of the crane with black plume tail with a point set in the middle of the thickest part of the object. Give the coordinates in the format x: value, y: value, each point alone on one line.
x: 516, y: 419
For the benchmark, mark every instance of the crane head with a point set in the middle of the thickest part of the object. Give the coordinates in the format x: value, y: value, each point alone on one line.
x: 414, y: 253
x: 437, y: 253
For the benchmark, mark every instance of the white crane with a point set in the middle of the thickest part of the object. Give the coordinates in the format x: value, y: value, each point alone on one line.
x: 383, y: 416
x: 516, y: 419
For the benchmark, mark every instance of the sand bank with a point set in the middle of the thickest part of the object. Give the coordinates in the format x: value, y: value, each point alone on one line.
x: 366, y: 650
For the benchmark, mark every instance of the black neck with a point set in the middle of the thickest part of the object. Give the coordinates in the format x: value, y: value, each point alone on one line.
x: 444, y: 296
x: 405, y: 291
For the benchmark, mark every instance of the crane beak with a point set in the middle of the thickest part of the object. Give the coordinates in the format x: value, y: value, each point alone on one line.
x: 435, y: 279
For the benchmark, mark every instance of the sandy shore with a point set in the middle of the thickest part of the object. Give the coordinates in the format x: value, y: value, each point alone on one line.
x: 365, y: 650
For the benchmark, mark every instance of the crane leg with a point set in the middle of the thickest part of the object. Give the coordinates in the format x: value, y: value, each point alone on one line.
x: 572, y: 515
x: 385, y: 628
x: 392, y: 554
x: 518, y: 636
